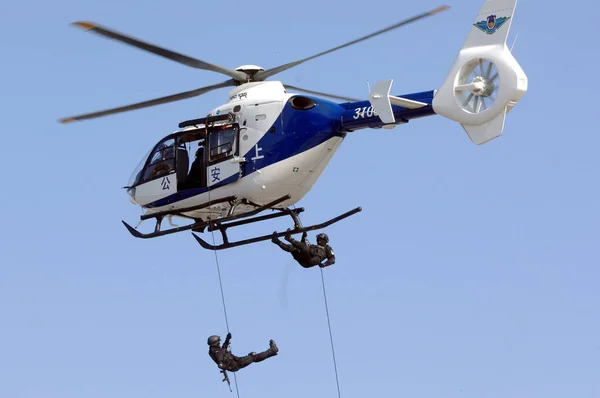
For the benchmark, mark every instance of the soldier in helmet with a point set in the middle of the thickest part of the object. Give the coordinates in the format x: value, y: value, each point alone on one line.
x: 225, y: 360
x: 307, y: 254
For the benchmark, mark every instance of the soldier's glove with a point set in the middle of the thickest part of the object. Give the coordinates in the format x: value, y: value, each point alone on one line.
x: 228, y: 336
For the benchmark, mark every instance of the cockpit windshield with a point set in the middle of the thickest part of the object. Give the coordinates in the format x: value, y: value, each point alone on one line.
x: 158, y: 162
x: 135, y: 175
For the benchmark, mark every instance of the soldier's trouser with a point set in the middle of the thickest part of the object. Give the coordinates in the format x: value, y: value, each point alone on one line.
x: 301, y: 254
x: 305, y: 259
x: 261, y: 356
x: 242, y: 362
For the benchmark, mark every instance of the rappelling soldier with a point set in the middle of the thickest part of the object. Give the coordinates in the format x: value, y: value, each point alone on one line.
x: 226, y: 361
x: 307, y: 254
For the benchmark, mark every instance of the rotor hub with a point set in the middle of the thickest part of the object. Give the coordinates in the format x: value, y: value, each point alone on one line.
x: 482, y: 87
x: 250, y: 71
x: 477, y: 85
x: 249, y: 68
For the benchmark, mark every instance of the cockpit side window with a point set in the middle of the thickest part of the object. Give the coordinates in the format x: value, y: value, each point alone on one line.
x: 223, y: 142
x: 164, y: 151
x: 162, y: 161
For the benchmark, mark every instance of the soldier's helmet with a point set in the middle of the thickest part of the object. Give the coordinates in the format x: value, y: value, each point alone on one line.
x: 213, y: 341
x: 324, y: 237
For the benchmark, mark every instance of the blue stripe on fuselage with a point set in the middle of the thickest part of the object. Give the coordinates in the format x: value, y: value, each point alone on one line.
x: 178, y: 196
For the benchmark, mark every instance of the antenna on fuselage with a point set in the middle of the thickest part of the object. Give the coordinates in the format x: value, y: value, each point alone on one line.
x: 514, y: 41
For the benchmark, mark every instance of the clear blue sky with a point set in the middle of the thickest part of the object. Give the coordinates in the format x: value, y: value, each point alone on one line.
x: 471, y: 272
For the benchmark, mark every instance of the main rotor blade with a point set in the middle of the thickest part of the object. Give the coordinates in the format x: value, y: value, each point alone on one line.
x: 320, y: 93
x: 262, y: 75
x: 145, y: 104
x: 184, y: 59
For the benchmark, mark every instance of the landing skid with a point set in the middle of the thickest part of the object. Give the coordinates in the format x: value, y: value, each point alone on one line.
x: 218, y: 225
x: 231, y: 220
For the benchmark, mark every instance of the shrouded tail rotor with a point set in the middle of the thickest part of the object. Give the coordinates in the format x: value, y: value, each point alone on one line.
x: 477, y: 85
x: 485, y: 81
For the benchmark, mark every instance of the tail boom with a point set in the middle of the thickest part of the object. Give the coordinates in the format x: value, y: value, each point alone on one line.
x: 382, y: 112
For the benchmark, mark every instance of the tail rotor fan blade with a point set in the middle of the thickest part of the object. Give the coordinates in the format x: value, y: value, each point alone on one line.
x: 183, y: 59
x: 146, y: 104
x: 262, y: 75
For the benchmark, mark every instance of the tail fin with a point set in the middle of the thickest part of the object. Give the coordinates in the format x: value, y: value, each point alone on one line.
x: 485, y: 81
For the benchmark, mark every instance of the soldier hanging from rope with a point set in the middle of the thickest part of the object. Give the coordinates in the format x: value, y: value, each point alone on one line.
x: 307, y: 254
x: 226, y: 361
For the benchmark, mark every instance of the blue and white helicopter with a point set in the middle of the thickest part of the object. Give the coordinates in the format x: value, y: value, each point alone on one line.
x: 266, y: 147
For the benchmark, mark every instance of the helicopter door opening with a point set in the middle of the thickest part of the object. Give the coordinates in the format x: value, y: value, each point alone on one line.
x: 207, y: 157
x: 191, y: 162
x: 223, y: 166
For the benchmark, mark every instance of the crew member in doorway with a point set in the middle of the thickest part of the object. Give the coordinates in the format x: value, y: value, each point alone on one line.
x: 196, y: 177
x: 307, y: 254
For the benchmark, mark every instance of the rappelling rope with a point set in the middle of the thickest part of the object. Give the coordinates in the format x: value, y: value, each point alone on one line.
x: 330, y: 334
x: 237, y: 390
x: 329, y: 325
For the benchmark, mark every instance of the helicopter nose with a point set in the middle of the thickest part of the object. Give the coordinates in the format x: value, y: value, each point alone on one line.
x: 131, y: 193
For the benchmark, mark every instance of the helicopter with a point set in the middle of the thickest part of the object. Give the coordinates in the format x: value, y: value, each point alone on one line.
x: 265, y: 148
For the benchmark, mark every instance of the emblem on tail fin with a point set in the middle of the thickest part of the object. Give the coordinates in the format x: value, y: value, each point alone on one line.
x: 492, y: 24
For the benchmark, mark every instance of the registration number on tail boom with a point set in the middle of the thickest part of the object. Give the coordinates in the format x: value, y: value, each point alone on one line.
x: 367, y: 111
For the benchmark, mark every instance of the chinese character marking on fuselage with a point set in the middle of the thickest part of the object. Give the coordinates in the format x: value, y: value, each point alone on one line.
x: 215, y: 174
x: 165, y: 183
x: 257, y: 149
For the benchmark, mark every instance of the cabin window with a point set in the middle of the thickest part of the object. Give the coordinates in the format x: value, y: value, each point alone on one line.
x: 223, y: 142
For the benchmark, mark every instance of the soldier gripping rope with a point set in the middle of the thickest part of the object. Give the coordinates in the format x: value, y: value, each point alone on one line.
x: 226, y: 361
x: 307, y: 254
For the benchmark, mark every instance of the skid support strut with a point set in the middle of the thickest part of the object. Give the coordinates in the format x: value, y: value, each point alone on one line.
x: 199, y: 225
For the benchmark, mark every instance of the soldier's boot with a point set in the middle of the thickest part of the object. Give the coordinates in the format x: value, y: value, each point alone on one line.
x: 273, y: 346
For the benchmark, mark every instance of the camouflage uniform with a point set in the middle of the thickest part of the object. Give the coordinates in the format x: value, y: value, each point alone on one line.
x: 307, y: 254
x: 225, y: 360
